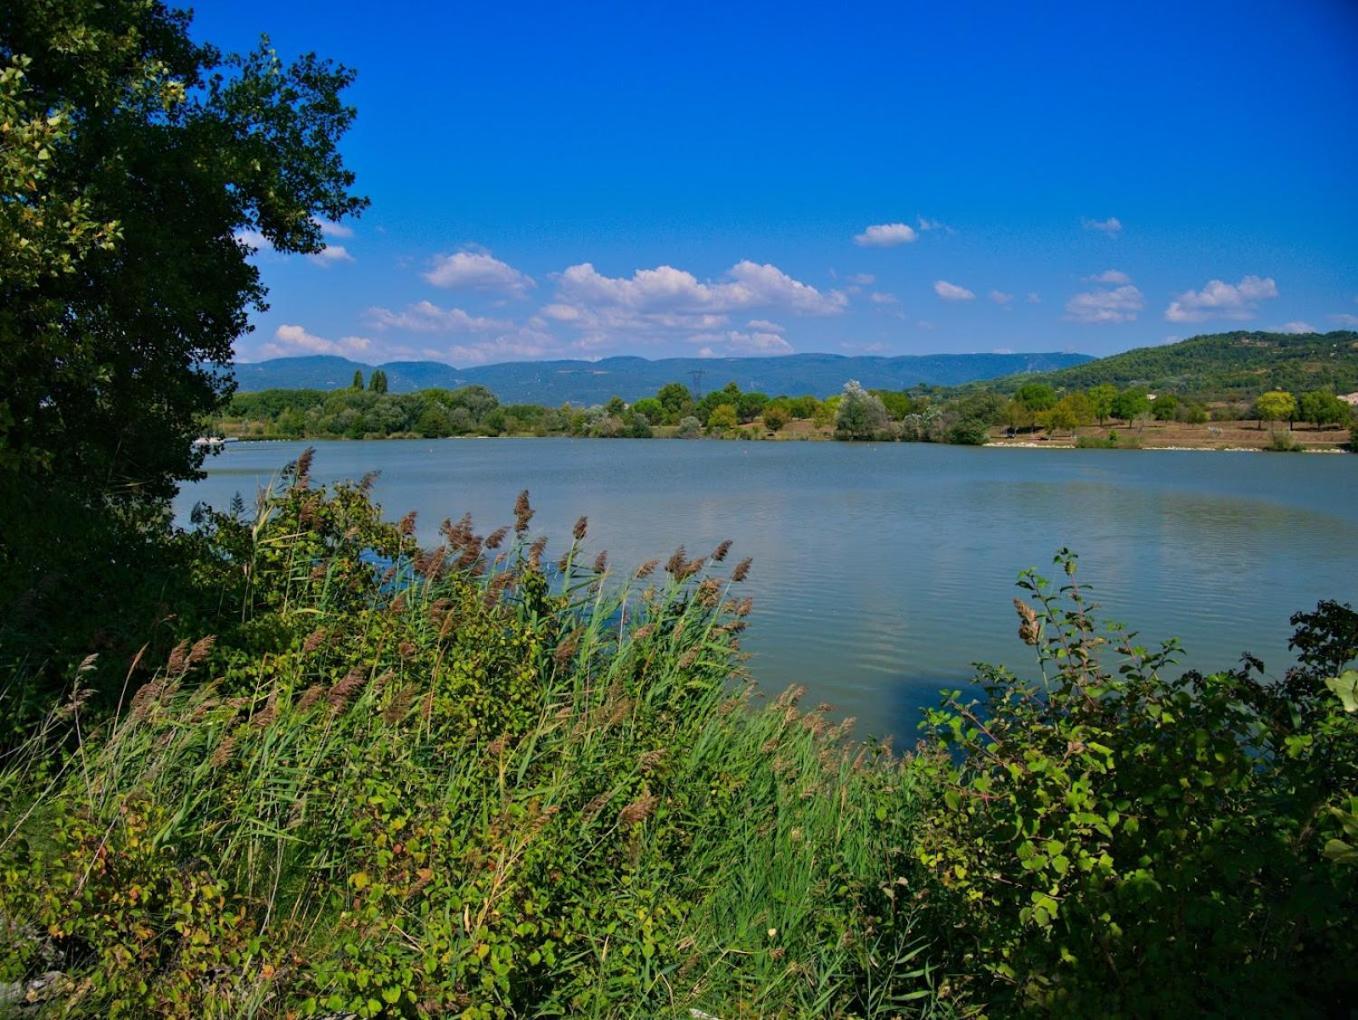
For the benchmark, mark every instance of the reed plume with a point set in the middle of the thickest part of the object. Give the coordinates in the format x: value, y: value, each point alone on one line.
x: 523, y: 513
x: 1029, y: 628
x: 637, y: 811
x: 343, y: 692
x: 314, y: 640
x: 674, y: 566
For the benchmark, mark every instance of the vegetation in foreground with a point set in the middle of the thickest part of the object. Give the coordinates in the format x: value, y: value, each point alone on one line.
x: 413, y: 783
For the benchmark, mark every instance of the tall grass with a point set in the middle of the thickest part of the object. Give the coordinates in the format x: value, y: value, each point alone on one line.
x: 415, y: 783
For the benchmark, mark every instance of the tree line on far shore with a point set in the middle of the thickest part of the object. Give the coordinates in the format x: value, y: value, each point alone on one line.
x: 923, y: 414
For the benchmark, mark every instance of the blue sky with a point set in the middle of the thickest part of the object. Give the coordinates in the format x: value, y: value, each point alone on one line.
x: 582, y: 180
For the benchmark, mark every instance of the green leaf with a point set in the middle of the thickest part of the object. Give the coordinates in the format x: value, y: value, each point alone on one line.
x: 1345, y: 686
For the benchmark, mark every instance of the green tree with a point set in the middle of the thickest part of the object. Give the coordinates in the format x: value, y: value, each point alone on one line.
x: 897, y: 403
x: 290, y: 423
x: 861, y: 415
x: 1275, y: 405
x: 751, y: 405
x: 651, y: 409
x: 357, y: 384
x: 1166, y: 407
x: 1131, y: 404
x: 775, y: 417
x: 723, y: 417
x: 615, y: 407
x: 434, y: 422
x: 676, y: 400
x: 1322, y: 407
x: 133, y: 160
x: 728, y: 394
x: 1036, y: 396
x: 1071, y: 411
x: 1101, y: 399
x: 1018, y: 416
x: 377, y: 382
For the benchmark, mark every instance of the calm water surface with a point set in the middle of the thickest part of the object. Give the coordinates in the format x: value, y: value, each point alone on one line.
x: 883, y: 570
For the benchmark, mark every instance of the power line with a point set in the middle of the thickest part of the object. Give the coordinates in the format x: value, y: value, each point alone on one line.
x: 697, y: 376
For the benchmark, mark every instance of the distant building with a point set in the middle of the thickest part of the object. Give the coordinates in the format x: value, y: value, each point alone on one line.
x: 1349, y: 398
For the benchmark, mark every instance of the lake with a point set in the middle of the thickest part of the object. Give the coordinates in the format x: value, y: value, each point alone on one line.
x: 881, y: 571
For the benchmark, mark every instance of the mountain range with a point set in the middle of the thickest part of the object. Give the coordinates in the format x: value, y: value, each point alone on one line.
x: 595, y: 382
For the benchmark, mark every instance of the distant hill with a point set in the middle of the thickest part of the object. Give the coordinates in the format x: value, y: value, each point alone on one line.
x: 594, y: 382
x: 1225, y: 365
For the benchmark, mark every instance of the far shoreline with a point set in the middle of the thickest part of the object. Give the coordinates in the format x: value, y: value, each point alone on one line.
x: 1062, y: 443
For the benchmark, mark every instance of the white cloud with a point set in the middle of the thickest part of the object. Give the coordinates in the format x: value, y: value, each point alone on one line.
x: 253, y: 238
x: 1345, y: 319
x: 862, y: 279
x: 427, y: 317
x: 885, y: 235
x: 734, y: 341
x: 928, y: 224
x: 1119, y: 304
x: 1296, y: 327
x: 763, y: 325
x: 1000, y: 297
x: 669, y: 290
x: 526, y: 345
x: 1220, y: 300
x: 951, y: 291
x: 878, y: 297
x: 1111, y: 226
x: 1114, y: 276
x: 333, y: 229
x: 468, y: 270
x: 330, y: 255
x: 290, y: 339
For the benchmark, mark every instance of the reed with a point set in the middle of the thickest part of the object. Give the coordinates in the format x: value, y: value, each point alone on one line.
x: 415, y: 783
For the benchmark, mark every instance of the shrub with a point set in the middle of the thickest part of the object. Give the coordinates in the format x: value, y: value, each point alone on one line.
x: 1096, y: 443
x: 689, y: 428
x: 969, y: 432
x: 1108, y: 841
x: 1282, y: 442
x: 775, y: 417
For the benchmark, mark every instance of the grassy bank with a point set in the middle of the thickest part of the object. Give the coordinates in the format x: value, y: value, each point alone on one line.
x: 492, y: 780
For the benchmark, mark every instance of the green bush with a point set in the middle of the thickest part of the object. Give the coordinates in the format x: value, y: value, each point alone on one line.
x: 1108, y: 841
x: 969, y: 432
